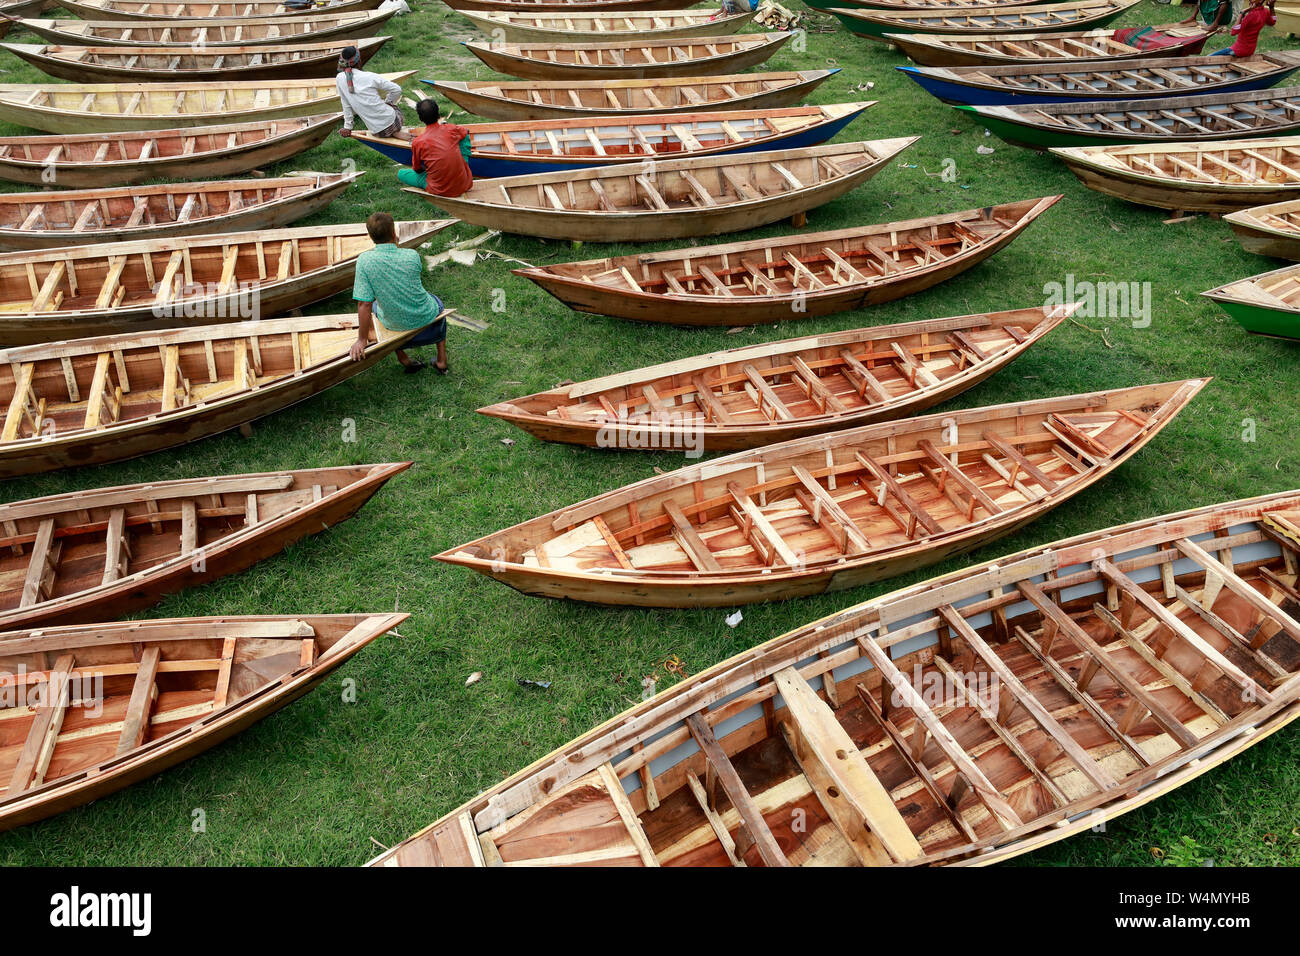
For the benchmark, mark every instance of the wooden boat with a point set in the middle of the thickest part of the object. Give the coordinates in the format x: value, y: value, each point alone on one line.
x: 125, y: 287
x: 114, y: 64
x: 166, y: 691
x: 961, y: 721
x: 114, y: 107
x: 198, y: 9
x: 629, y: 58
x: 1267, y: 304
x: 517, y: 148
x: 759, y: 394
x: 1192, y: 177
x: 532, y: 99
x: 92, y: 160
x: 1075, y: 15
x: 1179, y: 119
x: 761, y: 280
x: 98, y: 555
x: 992, y: 49
x: 532, y: 26
x: 671, y: 198
x: 828, y: 6
x: 1288, y: 19
x: 830, y: 511
x: 48, y: 219
x: 561, y: 6
x: 13, y: 11
x: 1272, y: 230
x: 301, y: 28
x: 1099, y: 80
x: 89, y: 401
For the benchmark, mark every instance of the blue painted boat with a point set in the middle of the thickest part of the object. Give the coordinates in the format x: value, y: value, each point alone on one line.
x: 1100, y: 80
x: 543, y: 146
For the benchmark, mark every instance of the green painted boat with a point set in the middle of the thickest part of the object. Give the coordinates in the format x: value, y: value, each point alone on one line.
x: 878, y: 24
x: 1266, y: 304
x: 1030, y: 136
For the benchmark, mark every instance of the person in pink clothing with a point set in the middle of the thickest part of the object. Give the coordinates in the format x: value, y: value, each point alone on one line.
x: 1257, y: 16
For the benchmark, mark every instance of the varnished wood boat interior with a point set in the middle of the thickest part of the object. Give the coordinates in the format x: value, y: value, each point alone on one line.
x: 873, y: 496
x: 66, y: 554
x: 1101, y: 44
x: 989, y: 19
x: 302, y: 27
x: 742, y: 398
x: 1273, y: 162
x: 1278, y: 290
x: 523, y: 26
x: 113, y: 703
x: 963, y: 720
x: 614, y: 54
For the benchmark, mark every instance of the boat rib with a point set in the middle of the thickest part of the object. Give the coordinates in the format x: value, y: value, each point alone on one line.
x: 670, y: 199
x: 829, y: 511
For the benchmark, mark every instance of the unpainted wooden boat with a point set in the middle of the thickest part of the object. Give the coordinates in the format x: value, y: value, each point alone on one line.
x: 760, y: 394
x: 562, y: 6
x: 92, y: 160
x: 100, y: 554
x: 1180, y: 119
x: 533, y: 26
x: 961, y: 721
x: 47, y: 219
x: 1096, y: 80
x: 124, y: 64
x: 1267, y: 304
x: 126, y: 287
x: 1075, y: 15
x: 1080, y: 46
x: 117, y: 107
x: 89, y: 401
x: 15, y: 10
x: 1192, y: 177
x: 300, y: 28
x: 95, y: 708
x: 792, y: 277
x: 198, y: 9
x: 672, y: 198
x: 830, y: 511
x: 539, y: 99
x: 529, y: 146
x: 1271, y: 230
x: 629, y: 58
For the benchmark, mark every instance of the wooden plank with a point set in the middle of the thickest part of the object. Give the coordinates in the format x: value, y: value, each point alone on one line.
x: 34, y: 758
x: 919, y: 515
x: 760, y: 521
x: 715, y: 821
x: 854, y: 534
x: 628, y: 815
x: 956, y: 474
x: 690, y: 541
x: 37, y: 562
x: 1018, y: 460
x: 1240, y: 587
x: 222, y: 692
x: 143, y: 695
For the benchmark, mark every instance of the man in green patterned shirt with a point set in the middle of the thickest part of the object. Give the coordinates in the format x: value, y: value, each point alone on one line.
x: 391, y: 297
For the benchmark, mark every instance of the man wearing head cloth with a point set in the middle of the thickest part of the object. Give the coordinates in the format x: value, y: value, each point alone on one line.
x: 368, y: 96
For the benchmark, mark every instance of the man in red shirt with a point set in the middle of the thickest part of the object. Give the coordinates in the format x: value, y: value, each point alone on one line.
x: 1257, y: 16
x: 439, y: 155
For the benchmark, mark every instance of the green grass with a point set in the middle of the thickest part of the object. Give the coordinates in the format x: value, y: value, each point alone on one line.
x: 322, y: 781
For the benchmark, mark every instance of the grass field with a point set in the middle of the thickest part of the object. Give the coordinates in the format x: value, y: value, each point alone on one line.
x: 325, y: 781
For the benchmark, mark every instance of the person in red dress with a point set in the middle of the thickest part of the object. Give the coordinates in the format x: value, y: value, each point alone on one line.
x: 1257, y: 16
x: 439, y: 155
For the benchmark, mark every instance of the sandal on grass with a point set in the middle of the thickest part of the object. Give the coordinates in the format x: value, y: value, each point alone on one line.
x: 417, y: 365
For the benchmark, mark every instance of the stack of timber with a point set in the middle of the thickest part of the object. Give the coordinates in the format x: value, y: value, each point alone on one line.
x: 992, y: 49
x: 1271, y: 230
x: 759, y: 394
x: 829, y: 511
x: 882, y: 25
x: 761, y: 280
x: 527, y: 100
x: 100, y: 554
x: 199, y: 9
x: 124, y: 64
x: 534, y: 146
x: 302, y: 28
x: 49, y: 219
x: 1180, y: 119
x: 72, y: 291
x: 1074, y: 683
x: 671, y: 199
x: 170, y: 690
x: 1192, y: 177
x: 531, y: 26
x: 89, y: 401
x: 93, y: 160
x: 629, y: 57
x: 1267, y: 304
x: 1098, y: 80
x: 113, y: 107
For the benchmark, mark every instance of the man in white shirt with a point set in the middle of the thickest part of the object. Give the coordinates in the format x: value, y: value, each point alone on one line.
x: 369, y: 96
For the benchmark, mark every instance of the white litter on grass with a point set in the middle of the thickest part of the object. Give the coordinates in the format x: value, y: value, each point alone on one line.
x: 474, y: 678
x: 734, y: 619
x: 507, y: 442
x: 984, y: 150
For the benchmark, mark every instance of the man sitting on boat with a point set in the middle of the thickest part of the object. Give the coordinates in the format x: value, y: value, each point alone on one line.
x: 1215, y: 14
x: 439, y: 155
x: 391, y: 297
x: 369, y: 96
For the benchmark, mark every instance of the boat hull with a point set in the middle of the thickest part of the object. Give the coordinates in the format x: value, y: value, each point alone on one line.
x: 528, y: 68
x: 1189, y: 197
x: 88, y: 11
x: 1032, y: 136
x: 926, y: 54
x: 519, y: 32
x: 1260, y: 320
x: 881, y: 29
x: 367, y: 27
